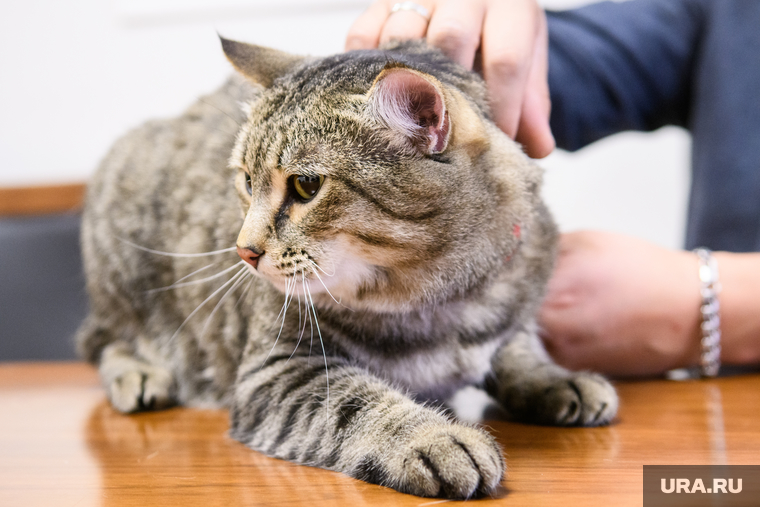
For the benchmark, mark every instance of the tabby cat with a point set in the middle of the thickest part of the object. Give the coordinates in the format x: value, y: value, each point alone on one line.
x: 394, y: 249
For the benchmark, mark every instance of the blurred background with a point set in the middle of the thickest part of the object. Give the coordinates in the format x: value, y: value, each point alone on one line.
x: 75, y: 75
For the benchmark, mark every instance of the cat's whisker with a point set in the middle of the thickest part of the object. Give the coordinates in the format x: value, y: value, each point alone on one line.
x: 179, y: 282
x: 324, y: 353
x: 285, y: 304
x: 299, y: 309
x: 197, y: 308
x: 245, y: 292
x: 328, y: 290
x: 197, y: 271
x: 284, y: 312
x: 300, y: 335
x: 332, y: 263
x: 231, y: 134
x: 320, y: 268
x: 308, y: 314
x: 240, y: 275
x: 225, y: 113
x: 289, y: 290
x: 173, y: 254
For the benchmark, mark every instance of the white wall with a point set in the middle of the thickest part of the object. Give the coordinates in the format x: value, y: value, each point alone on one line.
x: 74, y: 75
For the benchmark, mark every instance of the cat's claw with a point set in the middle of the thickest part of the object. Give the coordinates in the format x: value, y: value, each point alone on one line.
x: 452, y: 461
x: 138, y: 390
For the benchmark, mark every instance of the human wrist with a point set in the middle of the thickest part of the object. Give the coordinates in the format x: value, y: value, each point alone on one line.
x: 688, y: 290
x: 689, y: 317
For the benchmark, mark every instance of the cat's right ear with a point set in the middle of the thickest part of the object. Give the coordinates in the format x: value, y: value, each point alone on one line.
x: 259, y: 64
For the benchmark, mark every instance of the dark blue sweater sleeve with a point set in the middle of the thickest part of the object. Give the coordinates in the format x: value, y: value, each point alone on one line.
x: 621, y: 66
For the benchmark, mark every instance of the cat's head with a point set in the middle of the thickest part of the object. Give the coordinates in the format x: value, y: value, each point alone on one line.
x: 376, y: 176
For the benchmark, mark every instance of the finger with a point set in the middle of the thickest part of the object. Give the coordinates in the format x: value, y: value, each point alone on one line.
x: 456, y: 29
x: 509, y: 39
x: 405, y: 25
x: 534, y: 132
x: 365, y: 31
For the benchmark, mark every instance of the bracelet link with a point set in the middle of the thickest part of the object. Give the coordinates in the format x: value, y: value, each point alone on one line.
x: 710, y: 308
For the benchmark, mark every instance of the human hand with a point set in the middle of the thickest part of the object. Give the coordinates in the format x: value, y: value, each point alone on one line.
x: 622, y: 306
x: 505, y: 39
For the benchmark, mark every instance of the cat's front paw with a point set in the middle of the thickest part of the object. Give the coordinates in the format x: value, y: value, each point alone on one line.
x: 451, y: 461
x: 583, y: 399
x: 141, y: 389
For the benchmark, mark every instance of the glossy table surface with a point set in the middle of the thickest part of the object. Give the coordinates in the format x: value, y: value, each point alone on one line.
x: 61, y: 444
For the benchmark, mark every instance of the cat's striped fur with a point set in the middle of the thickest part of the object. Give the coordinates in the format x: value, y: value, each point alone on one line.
x: 415, y: 269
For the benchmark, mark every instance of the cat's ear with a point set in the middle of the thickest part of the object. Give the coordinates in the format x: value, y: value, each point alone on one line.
x: 257, y: 63
x: 413, y: 104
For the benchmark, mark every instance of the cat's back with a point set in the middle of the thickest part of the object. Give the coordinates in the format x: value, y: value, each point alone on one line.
x: 165, y: 187
x: 164, y: 169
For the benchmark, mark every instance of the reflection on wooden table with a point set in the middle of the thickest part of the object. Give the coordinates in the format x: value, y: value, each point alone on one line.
x: 61, y: 444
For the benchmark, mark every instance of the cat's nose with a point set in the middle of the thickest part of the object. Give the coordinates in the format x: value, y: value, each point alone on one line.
x: 250, y: 256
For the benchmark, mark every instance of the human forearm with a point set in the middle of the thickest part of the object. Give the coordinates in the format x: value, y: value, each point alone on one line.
x: 739, y: 307
x: 628, y: 308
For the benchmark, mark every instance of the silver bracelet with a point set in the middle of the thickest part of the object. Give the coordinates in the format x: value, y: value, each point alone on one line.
x: 709, y: 362
x: 710, y: 308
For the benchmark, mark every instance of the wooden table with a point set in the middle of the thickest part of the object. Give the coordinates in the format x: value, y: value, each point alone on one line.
x: 61, y: 444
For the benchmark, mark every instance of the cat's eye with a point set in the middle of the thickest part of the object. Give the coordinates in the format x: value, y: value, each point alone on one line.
x: 248, y: 185
x: 307, y: 186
